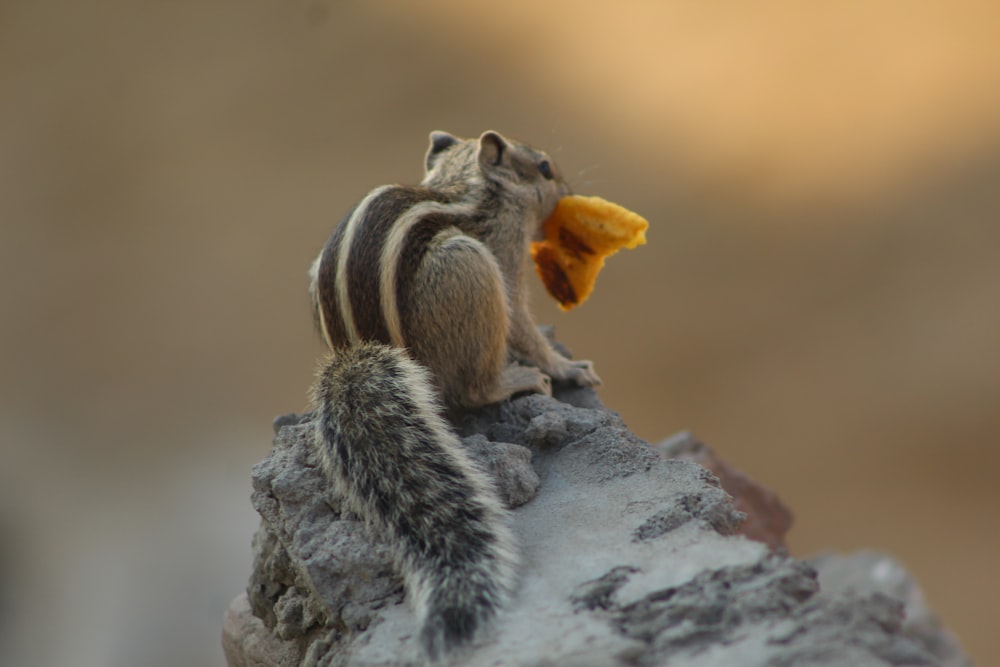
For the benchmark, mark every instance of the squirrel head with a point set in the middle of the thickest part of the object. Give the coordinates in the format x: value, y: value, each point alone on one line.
x: 527, y: 173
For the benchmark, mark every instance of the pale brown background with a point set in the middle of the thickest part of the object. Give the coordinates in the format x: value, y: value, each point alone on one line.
x: 818, y: 299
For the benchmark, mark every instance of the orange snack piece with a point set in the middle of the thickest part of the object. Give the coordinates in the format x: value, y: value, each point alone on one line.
x: 579, y: 234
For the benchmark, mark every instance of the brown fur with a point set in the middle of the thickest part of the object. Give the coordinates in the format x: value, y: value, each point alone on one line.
x: 420, y: 294
x: 461, y: 298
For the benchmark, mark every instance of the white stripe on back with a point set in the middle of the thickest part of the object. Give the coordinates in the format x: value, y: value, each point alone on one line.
x: 343, y: 253
x: 389, y: 264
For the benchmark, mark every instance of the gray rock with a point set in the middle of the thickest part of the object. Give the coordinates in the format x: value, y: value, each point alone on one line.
x: 628, y: 559
x: 873, y: 572
x: 768, y: 519
x: 510, y: 467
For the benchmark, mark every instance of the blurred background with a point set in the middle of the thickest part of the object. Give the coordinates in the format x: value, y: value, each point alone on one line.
x: 819, y: 299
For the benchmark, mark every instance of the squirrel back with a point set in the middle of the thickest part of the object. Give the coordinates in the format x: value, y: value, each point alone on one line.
x: 419, y: 293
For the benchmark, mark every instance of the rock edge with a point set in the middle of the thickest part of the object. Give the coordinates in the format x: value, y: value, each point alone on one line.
x: 629, y: 559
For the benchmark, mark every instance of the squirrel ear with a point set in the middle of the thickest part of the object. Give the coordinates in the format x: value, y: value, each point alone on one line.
x: 492, y: 149
x: 439, y: 142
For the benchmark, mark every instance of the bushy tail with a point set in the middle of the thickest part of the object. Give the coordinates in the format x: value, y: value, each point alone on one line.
x: 385, y: 446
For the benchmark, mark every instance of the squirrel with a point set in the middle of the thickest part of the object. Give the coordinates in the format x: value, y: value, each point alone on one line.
x: 421, y: 298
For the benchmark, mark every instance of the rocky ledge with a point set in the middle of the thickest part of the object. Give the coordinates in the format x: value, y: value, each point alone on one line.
x: 632, y: 555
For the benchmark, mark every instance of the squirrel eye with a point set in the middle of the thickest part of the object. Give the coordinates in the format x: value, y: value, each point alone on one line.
x: 546, y: 170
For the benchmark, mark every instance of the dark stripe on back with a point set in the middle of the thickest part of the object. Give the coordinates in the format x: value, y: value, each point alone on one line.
x: 326, y: 285
x: 363, y: 262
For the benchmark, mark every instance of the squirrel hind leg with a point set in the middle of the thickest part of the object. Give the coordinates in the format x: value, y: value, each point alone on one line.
x: 517, y: 378
x: 458, y: 323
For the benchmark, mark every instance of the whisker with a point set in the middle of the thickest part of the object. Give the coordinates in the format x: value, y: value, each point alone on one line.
x: 596, y: 165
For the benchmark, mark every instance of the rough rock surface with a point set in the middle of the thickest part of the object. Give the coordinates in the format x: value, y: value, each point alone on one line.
x: 870, y: 571
x: 628, y: 559
x: 768, y: 519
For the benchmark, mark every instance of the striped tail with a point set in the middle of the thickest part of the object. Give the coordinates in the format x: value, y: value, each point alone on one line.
x: 388, y: 451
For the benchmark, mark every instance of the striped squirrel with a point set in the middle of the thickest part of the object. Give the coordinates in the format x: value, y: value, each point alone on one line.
x: 420, y: 294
